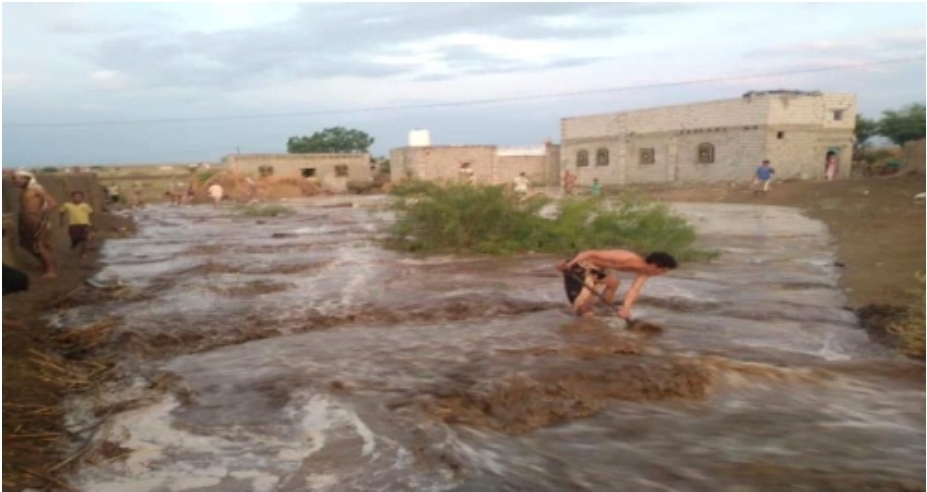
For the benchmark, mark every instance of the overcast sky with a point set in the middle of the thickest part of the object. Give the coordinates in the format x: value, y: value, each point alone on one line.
x: 84, y: 63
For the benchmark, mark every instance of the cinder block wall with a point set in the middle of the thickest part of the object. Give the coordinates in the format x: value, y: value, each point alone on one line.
x: 793, y: 131
x: 291, y: 165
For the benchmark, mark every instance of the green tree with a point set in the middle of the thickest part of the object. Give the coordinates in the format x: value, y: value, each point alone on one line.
x: 338, y: 140
x: 865, y: 129
x: 903, y: 125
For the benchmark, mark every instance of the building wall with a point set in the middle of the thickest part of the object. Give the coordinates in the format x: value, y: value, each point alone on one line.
x: 442, y: 163
x: 743, y: 131
x: 291, y: 165
x: 612, y: 174
x: 914, y: 155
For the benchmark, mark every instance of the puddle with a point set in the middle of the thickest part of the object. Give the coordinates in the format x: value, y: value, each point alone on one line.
x: 315, y: 360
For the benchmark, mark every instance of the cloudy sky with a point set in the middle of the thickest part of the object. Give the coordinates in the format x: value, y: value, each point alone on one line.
x: 136, y: 83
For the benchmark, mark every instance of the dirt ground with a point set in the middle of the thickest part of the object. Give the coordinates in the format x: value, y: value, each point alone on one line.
x: 876, y: 225
x: 34, y: 441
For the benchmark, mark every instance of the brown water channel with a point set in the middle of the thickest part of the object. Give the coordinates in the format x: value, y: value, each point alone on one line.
x: 305, y: 357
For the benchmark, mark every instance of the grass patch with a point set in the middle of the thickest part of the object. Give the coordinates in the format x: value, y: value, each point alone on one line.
x: 910, y: 329
x: 204, y: 176
x: 458, y: 218
x: 266, y: 210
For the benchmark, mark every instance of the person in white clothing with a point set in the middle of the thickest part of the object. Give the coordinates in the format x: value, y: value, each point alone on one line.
x: 522, y: 184
x: 216, y: 192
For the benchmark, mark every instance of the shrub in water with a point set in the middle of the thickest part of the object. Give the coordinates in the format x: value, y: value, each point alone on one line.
x: 462, y: 218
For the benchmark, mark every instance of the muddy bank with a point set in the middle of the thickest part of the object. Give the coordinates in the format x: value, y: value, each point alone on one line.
x: 41, y: 368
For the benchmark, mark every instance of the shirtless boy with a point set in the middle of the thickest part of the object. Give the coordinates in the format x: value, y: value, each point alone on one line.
x: 34, y: 225
x: 590, y: 268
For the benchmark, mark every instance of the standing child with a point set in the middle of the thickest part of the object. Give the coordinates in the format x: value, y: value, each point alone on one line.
x: 762, y: 177
x: 596, y: 188
x: 78, y: 214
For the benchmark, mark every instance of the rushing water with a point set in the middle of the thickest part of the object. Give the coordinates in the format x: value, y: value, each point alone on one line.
x: 387, y: 372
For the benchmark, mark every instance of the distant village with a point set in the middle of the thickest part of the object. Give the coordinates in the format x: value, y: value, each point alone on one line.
x: 713, y: 141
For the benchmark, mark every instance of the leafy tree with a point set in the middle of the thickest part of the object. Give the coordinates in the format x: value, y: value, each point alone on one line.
x: 865, y: 129
x: 904, y: 125
x: 337, y: 140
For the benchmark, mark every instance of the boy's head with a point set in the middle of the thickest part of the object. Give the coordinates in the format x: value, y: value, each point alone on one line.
x: 765, y: 162
x: 661, y: 262
x: 595, y: 180
x: 77, y: 196
x: 521, y: 174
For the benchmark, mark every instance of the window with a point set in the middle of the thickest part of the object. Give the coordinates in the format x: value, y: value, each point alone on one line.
x: 780, y: 135
x: 648, y: 156
x: 582, y: 158
x: 601, y: 157
x: 308, y: 172
x: 706, y: 153
x: 266, y: 171
x: 341, y: 171
x: 838, y: 114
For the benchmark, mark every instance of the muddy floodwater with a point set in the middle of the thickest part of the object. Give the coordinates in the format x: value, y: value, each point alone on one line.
x: 295, y: 354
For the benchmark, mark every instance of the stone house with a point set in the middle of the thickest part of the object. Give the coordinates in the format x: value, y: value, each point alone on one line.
x: 351, y: 167
x: 712, y: 141
x: 489, y: 164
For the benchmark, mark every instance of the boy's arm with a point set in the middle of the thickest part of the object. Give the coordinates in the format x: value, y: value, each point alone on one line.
x: 631, y: 296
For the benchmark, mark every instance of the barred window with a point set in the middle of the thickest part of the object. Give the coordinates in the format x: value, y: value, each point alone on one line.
x: 582, y: 158
x: 341, y: 171
x: 706, y: 153
x: 601, y: 157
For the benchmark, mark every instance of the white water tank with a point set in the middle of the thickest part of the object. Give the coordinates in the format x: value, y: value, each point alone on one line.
x: 419, y: 138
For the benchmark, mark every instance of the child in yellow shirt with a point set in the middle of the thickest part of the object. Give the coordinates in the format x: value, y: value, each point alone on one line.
x: 79, y: 225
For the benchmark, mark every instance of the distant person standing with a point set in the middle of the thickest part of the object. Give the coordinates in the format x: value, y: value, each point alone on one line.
x: 762, y: 177
x: 78, y: 215
x: 595, y: 189
x: 136, y: 195
x: 522, y: 185
x: 216, y: 192
x: 251, y: 187
x: 831, y: 165
x: 569, y: 182
x: 34, y: 225
x: 114, y: 193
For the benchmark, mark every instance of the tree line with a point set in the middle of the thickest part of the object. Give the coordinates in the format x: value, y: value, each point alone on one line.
x: 899, y: 126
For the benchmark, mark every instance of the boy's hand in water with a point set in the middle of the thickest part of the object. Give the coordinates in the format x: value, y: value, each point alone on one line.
x: 624, y: 313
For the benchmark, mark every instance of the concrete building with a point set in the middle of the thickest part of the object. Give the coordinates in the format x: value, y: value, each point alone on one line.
x: 712, y: 141
x: 353, y: 167
x: 490, y: 164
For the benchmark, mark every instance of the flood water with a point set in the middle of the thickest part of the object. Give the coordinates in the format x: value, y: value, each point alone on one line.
x: 305, y: 357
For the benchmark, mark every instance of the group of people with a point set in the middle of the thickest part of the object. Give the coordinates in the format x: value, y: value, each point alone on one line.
x: 35, y: 224
x: 569, y: 184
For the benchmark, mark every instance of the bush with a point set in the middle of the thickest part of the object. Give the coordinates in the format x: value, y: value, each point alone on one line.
x: 204, y: 176
x: 910, y: 329
x: 266, y: 210
x: 461, y: 218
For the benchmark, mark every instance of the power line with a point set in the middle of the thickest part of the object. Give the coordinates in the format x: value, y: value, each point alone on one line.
x: 474, y: 102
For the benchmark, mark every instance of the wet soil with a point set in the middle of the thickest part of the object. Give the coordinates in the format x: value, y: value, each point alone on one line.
x: 34, y: 438
x: 877, y: 228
